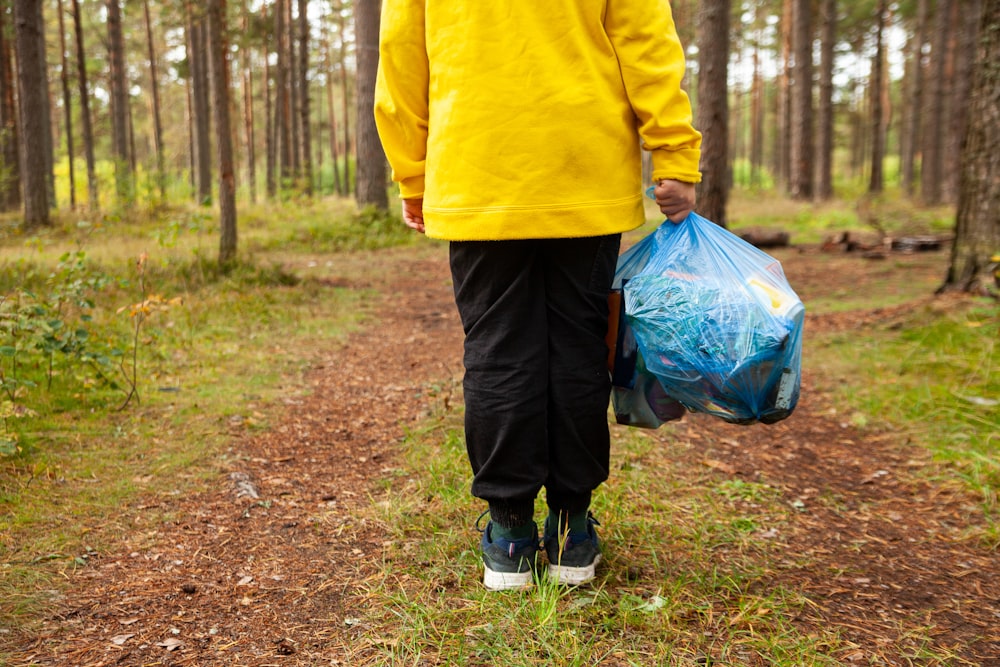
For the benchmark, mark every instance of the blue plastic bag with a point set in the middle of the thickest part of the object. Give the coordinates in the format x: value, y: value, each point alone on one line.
x: 714, y: 321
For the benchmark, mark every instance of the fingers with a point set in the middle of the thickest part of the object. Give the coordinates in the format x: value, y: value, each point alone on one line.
x: 676, y: 199
x: 413, y: 214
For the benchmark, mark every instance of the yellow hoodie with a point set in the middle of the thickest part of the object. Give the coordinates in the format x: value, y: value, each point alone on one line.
x: 522, y: 118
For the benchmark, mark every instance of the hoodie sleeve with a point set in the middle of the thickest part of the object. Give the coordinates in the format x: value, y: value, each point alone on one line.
x: 651, y: 59
x: 401, y: 106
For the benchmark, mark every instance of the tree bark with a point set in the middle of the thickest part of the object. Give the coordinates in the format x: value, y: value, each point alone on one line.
x: 31, y: 76
x: 119, y: 102
x: 67, y: 106
x: 876, y: 178
x: 931, y: 166
x: 371, y: 167
x: 282, y: 102
x: 334, y: 157
x: 713, y: 108
x: 85, y: 119
x: 345, y: 85
x: 154, y: 86
x: 10, y: 170
x: 977, y: 223
x: 801, y: 175
x: 248, y: 114
x: 966, y: 29
x: 303, y: 71
x: 824, y: 157
x: 198, y: 48
x: 219, y: 57
x: 910, y: 133
x: 270, y: 151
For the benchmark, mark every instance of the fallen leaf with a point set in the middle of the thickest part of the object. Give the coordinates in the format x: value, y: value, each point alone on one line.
x: 170, y: 644
x: 118, y: 640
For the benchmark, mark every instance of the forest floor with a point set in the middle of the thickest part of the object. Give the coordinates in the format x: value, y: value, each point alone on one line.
x: 263, y: 567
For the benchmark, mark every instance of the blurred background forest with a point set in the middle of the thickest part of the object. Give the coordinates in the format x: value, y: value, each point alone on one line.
x: 112, y: 106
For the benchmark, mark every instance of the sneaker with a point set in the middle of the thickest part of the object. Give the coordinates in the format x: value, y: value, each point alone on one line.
x: 573, y: 557
x: 509, y: 564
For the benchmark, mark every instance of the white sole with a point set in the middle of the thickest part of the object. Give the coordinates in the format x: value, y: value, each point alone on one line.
x: 573, y: 576
x: 506, y: 581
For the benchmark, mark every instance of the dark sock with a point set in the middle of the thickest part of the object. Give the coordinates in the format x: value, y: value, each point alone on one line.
x: 577, y: 521
x: 521, y: 532
x: 512, y: 519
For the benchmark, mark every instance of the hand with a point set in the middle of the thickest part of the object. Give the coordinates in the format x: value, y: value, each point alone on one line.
x: 675, y: 198
x: 413, y: 213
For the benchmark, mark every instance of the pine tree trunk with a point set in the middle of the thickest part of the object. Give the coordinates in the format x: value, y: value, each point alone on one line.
x: 119, y: 101
x: 801, y: 174
x: 282, y: 116
x: 334, y: 157
x: 67, y: 106
x: 154, y: 85
x: 344, y: 82
x: 85, y: 120
x: 371, y: 168
x: 713, y: 108
x: 294, y: 108
x: 910, y: 138
x: 932, y: 162
x: 219, y: 58
x: 31, y: 78
x: 303, y: 71
x: 824, y: 120
x: 197, y: 49
x: 977, y: 224
x: 756, y: 120
x: 270, y: 151
x: 10, y: 169
x: 966, y: 30
x: 783, y: 110
x: 876, y: 179
x: 248, y: 115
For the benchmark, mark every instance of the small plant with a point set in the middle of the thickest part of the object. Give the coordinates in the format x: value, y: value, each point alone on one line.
x: 138, y: 313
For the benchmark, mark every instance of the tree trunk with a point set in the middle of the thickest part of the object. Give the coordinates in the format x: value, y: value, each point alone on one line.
x: 85, y: 121
x: 219, y: 57
x: 270, y: 151
x: 31, y: 77
x: 713, y: 108
x: 824, y: 150
x: 977, y: 223
x: 931, y: 167
x: 294, y: 109
x: 119, y: 102
x: 10, y: 169
x: 876, y: 180
x: 756, y: 118
x: 334, y: 158
x: 801, y: 175
x: 200, y: 102
x: 67, y: 106
x: 344, y: 82
x: 307, y: 166
x: 371, y: 168
x: 783, y: 110
x: 248, y: 115
x: 282, y: 102
x: 910, y: 133
x: 966, y: 30
x: 154, y: 86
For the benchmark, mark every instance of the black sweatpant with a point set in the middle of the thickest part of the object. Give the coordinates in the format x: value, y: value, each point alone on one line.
x: 536, y: 385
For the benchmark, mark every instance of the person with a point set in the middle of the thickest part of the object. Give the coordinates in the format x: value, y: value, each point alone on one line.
x: 513, y: 129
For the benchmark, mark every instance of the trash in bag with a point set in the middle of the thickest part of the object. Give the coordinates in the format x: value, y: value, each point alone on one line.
x: 714, y: 323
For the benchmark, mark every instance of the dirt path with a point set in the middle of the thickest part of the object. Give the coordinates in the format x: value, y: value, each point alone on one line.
x: 266, y: 568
